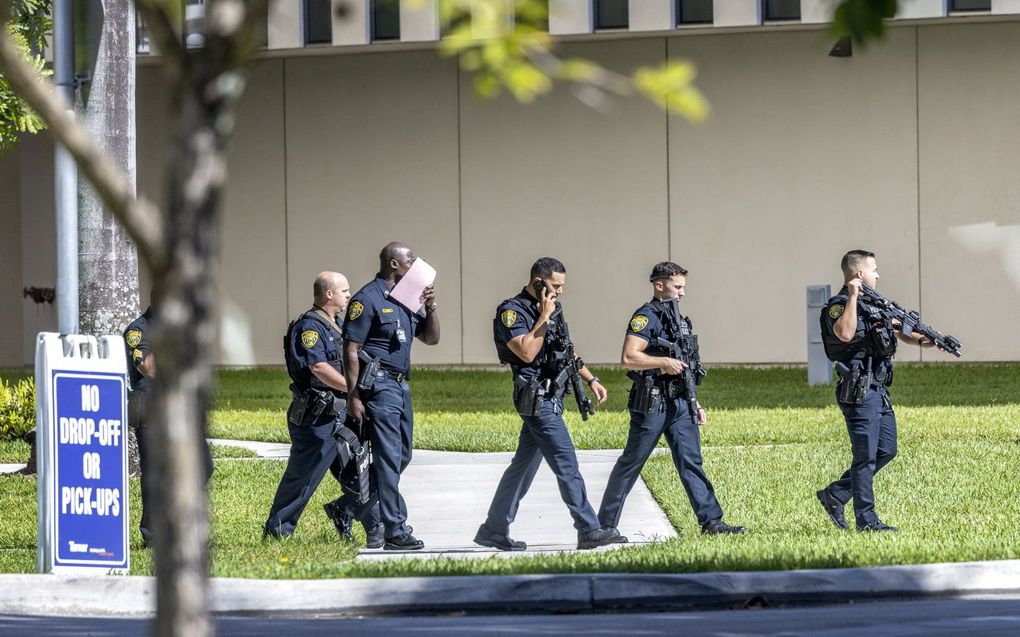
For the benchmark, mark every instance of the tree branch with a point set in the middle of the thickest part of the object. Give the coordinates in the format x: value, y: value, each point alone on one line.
x: 139, y: 217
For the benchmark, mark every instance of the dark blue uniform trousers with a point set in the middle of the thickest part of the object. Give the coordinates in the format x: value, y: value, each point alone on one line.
x: 684, y: 442
x: 392, y: 429
x: 542, y: 436
x: 312, y: 453
x: 872, y: 429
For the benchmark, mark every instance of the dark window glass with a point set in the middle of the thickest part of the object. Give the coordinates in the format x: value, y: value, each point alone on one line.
x: 970, y: 5
x: 318, y: 22
x: 611, y: 14
x: 385, y: 20
x: 694, y: 12
x: 782, y: 9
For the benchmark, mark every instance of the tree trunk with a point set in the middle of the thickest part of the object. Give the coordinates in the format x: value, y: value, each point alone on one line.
x: 107, y: 259
x: 183, y: 326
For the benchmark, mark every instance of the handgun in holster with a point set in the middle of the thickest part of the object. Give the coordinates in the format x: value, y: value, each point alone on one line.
x: 369, y: 371
x: 528, y: 395
x: 645, y: 395
x: 854, y: 382
x: 298, y: 405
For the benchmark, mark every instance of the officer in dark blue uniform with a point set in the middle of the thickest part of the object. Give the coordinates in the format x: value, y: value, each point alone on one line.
x: 659, y: 403
x: 377, y: 346
x: 312, y: 349
x: 520, y: 331
x: 857, y: 337
x: 141, y: 364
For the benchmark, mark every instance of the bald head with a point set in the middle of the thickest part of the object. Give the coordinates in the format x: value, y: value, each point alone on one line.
x: 331, y: 291
x: 395, y: 259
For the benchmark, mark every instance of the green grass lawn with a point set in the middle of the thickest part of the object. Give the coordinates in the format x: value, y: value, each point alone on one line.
x: 770, y: 443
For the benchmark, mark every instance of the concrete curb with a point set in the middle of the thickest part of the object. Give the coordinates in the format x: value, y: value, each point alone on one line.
x: 135, y: 596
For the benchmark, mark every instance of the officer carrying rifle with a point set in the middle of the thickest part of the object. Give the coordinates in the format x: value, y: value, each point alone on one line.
x: 661, y: 350
x: 531, y: 336
x: 860, y: 328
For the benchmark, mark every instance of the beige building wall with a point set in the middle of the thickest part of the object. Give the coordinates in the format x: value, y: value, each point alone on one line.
x: 907, y: 148
x: 805, y: 156
x: 558, y: 178
x: 10, y: 259
x: 371, y: 158
x: 969, y: 123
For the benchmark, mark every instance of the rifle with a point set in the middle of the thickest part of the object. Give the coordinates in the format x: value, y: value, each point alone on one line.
x: 564, y: 364
x: 684, y: 349
x: 910, y: 321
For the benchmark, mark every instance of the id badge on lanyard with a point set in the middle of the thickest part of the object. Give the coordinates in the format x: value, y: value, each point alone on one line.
x: 401, y: 335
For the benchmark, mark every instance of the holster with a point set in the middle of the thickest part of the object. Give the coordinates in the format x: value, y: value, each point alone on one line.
x: 854, y: 382
x: 369, y: 371
x: 645, y: 394
x: 528, y: 395
x: 298, y: 406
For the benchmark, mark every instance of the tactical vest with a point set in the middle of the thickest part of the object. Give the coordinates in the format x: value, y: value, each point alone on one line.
x: 878, y: 342
x: 334, y: 358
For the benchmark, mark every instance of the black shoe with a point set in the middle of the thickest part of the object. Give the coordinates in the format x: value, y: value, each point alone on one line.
x: 499, y: 541
x: 342, y: 522
x: 718, y: 527
x: 405, y: 542
x: 597, y: 537
x: 267, y: 531
x: 375, y: 538
x: 878, y: 527
x: 833, y: 509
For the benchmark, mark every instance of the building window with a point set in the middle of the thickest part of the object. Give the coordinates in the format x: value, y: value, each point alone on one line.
x: 385, y: 20
x: 611, y: 14
x: 782, y: 9
x: 970, y: 5
x: 694, y: 12
x: 318, y: 22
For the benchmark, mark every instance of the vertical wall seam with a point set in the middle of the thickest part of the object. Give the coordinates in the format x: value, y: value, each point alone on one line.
x: 286, y: 199
x: 669, y: 175
x: 917, y: 159
x: 460, y: 210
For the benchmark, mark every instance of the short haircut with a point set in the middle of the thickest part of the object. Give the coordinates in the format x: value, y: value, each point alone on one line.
x: 321, y: 285
x: 666, y: 270
x: 545, y: 266
x: 852, y: 260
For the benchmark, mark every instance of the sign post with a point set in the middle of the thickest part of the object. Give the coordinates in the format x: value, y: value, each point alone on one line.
x: 81, y: 414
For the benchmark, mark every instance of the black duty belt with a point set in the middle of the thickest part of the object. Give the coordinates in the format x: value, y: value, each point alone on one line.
x: 384, y: 373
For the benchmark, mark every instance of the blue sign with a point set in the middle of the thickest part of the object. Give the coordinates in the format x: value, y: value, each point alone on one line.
x: 89, y: 440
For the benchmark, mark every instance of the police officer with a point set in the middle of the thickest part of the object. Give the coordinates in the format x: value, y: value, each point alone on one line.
x: 856, y: 336
x: 312, y: 349
x: 377, y: 349
x: 521, y: 333
x: 659, y: 403
x: 141, y: 364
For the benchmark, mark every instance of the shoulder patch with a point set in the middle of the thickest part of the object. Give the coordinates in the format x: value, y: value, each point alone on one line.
x: 309, y: 338
x: 355, y: 310
x: 133, y: 338
x: 509, y: 317
x: 836, y: 311
x: 639, y: 322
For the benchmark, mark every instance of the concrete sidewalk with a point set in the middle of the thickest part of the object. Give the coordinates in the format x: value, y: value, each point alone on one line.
x: 448, y: 495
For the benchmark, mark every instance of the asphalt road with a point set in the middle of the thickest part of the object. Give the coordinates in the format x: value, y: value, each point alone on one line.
x: 987, y: 617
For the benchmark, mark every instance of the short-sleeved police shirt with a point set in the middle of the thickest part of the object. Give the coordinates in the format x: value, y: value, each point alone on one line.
x: 136, y: 338
x: 384, y: 327
x: 646, y: 323
x: 311, y: 342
